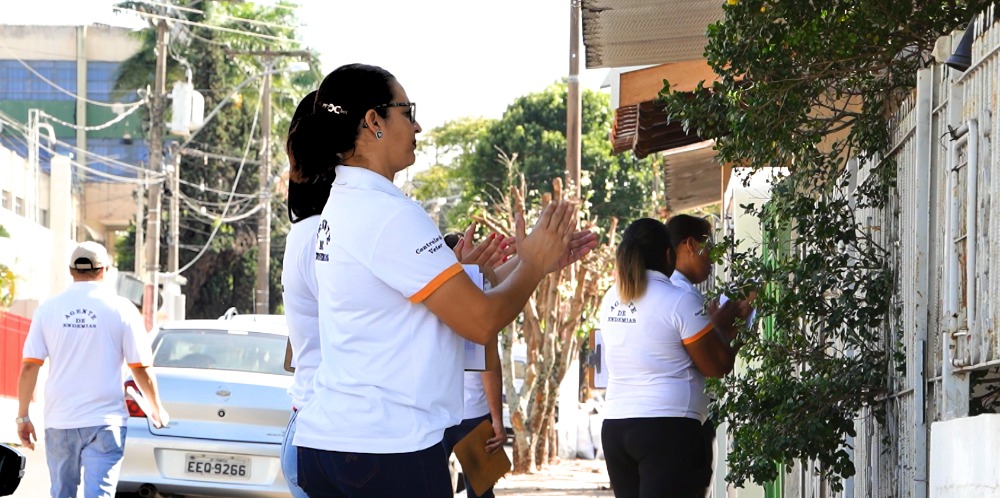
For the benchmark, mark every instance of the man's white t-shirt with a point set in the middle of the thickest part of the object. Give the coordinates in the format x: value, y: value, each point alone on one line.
x: 88, y: 332
x: 650, y: 373
x: 298, y: 281
x: 391, y: 376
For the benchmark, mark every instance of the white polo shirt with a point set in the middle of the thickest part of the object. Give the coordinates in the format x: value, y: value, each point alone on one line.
x: 299, y: 293
x: 89, y: 332
x: 476, y: 404
x: 650, y: 373
x: 391, y: 376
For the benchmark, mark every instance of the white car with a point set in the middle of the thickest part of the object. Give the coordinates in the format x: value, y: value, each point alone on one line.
x: 224, y: 385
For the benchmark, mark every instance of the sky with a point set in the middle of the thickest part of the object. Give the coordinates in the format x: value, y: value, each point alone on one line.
x: 454, y: 57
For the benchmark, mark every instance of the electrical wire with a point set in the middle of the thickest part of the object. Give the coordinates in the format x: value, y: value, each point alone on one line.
x: 222, y: 218
x: 23, y: 130
x: 236, y: 182
x: 209, y: 26
x: 215, y: 191
x: 61, y: 89
x: 220, y: 16
x: 94, y: 127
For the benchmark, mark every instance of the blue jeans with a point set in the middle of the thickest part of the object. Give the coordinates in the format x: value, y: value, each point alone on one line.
x: 98, y: 450
x: 336, y: 474
x: 289, y: 460
x: 453, y: 435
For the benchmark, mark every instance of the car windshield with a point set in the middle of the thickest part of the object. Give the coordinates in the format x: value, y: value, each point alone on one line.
x: 221, y: 350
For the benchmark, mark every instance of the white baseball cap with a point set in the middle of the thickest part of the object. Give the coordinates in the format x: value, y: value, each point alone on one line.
x: 89, y: 256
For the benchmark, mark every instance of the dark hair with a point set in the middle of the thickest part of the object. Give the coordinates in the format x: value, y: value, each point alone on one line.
x: 643, y: 247
x: 684, y: 226
x: 318, y: 139
x: 306, y: 198
x: 451, y: 239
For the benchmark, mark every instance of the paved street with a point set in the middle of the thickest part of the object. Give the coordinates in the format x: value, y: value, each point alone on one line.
x: 578, y: 478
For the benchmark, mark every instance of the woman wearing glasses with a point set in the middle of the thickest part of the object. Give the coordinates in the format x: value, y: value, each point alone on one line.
x: 660, y: 345
x: 394, y: 302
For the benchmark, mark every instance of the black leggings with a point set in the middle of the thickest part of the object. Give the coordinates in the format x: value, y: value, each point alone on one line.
x: 660, y: 457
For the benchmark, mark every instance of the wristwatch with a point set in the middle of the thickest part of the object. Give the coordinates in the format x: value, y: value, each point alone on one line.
x: 22, y: 420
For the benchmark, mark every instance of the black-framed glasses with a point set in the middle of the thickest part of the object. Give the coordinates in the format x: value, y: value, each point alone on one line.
x: 411, y: 114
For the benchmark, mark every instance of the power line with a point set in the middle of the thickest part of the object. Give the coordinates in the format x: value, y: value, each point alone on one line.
x: 220, y: 16
x: 236, y: 182
x: 94, y: 127
x: 209, y: 26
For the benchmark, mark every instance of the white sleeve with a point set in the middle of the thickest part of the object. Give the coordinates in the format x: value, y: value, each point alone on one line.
x: 135, y: 339
x: 34, y: 349
x: 410, y: 255
x: 691, y: 318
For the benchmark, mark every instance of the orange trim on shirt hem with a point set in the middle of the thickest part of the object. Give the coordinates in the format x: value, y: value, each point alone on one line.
x: 438, y: 281
x: 34, y: 360
x: 699, y: 335
x: 136, y: 365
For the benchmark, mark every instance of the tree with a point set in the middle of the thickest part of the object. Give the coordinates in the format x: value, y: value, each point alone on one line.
x: 552, y: 325
x: 526, y: 150
x: 807, y: 85
x: 534, y: 128
x: 224, y: 275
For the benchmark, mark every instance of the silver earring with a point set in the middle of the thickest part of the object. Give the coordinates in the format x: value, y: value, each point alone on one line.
x: 378, y: 135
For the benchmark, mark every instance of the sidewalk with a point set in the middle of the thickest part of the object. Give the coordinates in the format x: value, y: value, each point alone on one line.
x: 579, y: 478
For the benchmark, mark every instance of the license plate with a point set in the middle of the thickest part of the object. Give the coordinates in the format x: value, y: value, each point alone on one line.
x: 216, y: 466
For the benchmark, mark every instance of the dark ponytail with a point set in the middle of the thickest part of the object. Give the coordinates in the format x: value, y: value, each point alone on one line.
x: 643, y: 247
x: 318, y: 139
x: 306, y: 195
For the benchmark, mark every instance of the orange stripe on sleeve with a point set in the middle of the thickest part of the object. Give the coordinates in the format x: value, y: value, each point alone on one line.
x: 433, y: 285
x: 699, y: 335
x: 34, y: 360
x: 136, y: 365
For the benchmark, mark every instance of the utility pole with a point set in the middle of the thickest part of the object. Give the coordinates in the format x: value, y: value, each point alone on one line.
x: 262, y: 295
x: 149, y: 296
x: 174, y: 233
x: 573, y: 104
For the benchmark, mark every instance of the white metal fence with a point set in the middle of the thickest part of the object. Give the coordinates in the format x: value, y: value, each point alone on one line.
x: 938, y: 229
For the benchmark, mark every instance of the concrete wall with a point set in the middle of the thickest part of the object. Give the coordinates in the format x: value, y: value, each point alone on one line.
x: 965, y: 457
x: 58, y: 43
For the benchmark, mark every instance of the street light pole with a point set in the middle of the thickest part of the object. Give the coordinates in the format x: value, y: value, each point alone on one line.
x: 262, y: 297
x: 262, y: 294
x: 573, y: 104
x: 149, y: 296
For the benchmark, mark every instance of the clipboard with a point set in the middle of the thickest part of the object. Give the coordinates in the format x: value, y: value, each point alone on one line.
x: 482, y: 469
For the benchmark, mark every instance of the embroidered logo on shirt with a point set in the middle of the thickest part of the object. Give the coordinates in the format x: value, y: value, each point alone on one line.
x: 622, y: 313
x: 80, y: 319
x: 433, y: 246
x: 323, y: 241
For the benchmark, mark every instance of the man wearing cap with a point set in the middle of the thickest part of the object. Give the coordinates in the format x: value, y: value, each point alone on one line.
x: 87, y: 332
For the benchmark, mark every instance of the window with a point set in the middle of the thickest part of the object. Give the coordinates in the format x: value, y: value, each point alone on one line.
x: 5, y: 199
x: 18, y: 83
x: 19, y: 205
x: 221, y: 350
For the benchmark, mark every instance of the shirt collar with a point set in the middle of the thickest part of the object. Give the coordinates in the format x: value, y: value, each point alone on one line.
x: 655, y: 275
x: 680, y: 277
x: 357, y: 177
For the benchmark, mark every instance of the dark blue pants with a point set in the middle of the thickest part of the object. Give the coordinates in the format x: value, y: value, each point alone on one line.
x: 453, y: 435
x: 335, y: 474
x: 656, y: 457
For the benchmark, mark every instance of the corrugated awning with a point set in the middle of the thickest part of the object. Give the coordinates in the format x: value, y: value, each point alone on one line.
x: 620, y: 33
